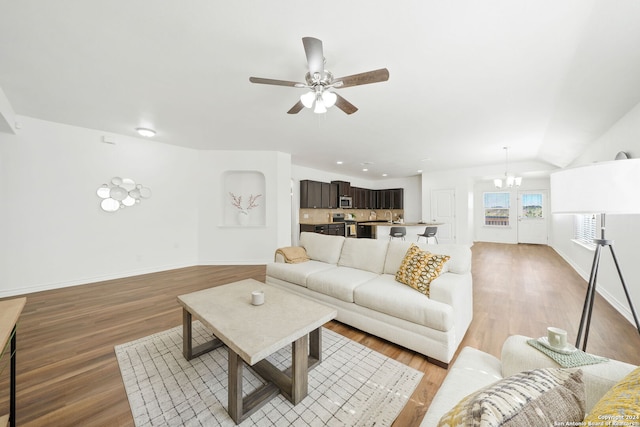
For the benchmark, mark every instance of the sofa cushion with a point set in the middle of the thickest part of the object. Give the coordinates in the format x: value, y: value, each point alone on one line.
x: 539, y: 397
x: 364, y: 254
x: 297, y: 273
x: 387, y: 296
x: 321, y: 247
x: 339, y: 282
x: 621, y: 403
x: 419, y: 268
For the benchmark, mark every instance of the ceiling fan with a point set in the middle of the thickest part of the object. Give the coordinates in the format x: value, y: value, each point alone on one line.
x: 321, y: 83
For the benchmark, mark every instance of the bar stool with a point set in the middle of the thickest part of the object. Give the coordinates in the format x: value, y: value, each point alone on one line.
x: 429, y: 232
x: 398, y: 232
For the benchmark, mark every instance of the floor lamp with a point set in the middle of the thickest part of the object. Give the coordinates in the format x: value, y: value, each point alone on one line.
x: 606, y: 188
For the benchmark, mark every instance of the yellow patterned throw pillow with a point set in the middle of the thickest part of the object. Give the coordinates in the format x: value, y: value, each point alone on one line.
x: 621, y: 404
x: 419, y: 268
x: 542, y: 397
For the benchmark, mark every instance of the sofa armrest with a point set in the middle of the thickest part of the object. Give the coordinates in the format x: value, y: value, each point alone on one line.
x: 518, y: 356
x: 278, y: 257
x: 472, y: 370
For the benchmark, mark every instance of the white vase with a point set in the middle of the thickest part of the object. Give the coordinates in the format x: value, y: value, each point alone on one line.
x: 243, y: 218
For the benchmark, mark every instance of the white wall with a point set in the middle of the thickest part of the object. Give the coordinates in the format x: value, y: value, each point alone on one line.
x: 228, y: 243
x: 462, y: 184
x: 468, y: 184
x: 54, y: 234
x: 623, y: 229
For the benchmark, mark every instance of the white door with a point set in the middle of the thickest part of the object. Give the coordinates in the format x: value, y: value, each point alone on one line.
x: 443, y: 210
x: 532, y: 217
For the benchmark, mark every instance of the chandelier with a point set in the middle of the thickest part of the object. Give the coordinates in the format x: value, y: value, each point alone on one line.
x: 509, y: 180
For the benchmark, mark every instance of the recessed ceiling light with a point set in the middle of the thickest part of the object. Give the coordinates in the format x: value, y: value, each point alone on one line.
x: 419, y: 170
x: 339, y: 162
x: 146, y: 132
x: 384, y: 174
x: 364, y: 169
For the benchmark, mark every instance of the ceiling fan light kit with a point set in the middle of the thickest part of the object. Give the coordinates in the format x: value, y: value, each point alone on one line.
x: 320, y: 81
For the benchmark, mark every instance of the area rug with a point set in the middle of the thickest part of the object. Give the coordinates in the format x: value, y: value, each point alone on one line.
x: 353, y: 386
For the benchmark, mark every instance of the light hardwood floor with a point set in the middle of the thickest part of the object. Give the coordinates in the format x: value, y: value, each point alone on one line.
x: 68, y: 374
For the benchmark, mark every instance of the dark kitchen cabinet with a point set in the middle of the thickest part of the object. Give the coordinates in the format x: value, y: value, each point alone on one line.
x: 335, y: 229
x: 329, y: 195
x: 384, y: 199
x: 344, y: 188
x: 324, y: 195
x: 390, y: 199
x: 318, y: 195
x: 397, y: 198
x: 310, y: 194
x: 360, y: 197
x: 364, y: 231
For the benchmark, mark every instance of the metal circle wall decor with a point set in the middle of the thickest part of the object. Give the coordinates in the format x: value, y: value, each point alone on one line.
x: 120, y: 193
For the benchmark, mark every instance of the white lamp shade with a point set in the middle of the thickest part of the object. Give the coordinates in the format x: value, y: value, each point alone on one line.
x: 320, y: 108
x: 497, y: 182
x: 307, y: 99
x: 329, y: 99
x: 607, y: 187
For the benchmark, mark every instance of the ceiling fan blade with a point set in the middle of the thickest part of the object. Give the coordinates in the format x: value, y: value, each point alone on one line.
x: 381, y: 75
x: 345, y: 105
x: 296, y: 108
x: 276, y: 82
x: 315, y: 56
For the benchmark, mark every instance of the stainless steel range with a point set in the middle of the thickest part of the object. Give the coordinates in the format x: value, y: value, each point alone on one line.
x: 350, y: 228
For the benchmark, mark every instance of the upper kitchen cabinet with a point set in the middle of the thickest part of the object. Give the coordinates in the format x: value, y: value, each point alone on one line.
x: 397, y: 198
x: 329, y: 195
x: 362, y: 198
x: 390, y: 199
x: 320, y: 195
x: 344, y: 188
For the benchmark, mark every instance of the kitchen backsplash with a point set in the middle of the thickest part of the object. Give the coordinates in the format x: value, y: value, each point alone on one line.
x: 315, y: 216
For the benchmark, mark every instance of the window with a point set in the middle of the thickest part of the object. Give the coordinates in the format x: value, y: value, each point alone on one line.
x: 584, y: 229
x: 531, y: 206
x: 496, y: 209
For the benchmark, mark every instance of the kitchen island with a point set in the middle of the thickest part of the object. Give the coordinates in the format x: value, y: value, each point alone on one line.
x: 380, y: 230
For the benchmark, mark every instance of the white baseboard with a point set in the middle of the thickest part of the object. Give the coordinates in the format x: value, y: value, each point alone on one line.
x: 621, y: 307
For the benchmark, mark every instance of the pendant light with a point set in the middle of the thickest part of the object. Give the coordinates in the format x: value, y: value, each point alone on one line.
x: 509, y: 180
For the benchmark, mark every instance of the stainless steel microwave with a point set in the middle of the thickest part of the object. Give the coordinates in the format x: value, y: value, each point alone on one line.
x: 346, y: 202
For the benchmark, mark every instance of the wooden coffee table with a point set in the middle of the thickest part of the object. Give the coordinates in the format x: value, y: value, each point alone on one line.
x: 251, y: 333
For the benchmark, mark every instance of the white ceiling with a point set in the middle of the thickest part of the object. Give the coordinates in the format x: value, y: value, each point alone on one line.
x: 467, y: 77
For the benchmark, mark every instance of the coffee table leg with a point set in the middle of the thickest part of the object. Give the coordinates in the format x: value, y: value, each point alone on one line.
x: 235, y: 387
x: 315, y: 347
x: 187, y: 339
x: 299, y: 369
x: 187, y: 349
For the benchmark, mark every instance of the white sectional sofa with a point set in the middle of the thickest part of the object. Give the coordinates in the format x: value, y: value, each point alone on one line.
x: 357, y: 277
x: 474, y: 369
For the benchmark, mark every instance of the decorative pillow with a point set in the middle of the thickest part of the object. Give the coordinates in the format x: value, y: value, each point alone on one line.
x: 542, y: 397
x: 621, y: 403
x: 419, y: 268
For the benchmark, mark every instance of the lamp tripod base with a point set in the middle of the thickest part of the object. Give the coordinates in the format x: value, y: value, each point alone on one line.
x: 585, y: 320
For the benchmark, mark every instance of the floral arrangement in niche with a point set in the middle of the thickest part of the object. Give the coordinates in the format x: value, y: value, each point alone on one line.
x: 236, y: 201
